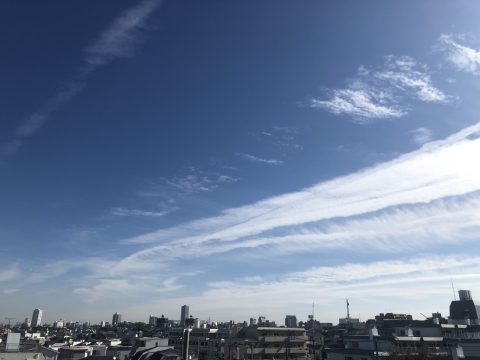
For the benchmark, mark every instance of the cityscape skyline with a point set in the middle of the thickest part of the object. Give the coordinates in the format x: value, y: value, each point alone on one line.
x: 38, y: 318
x: 245, y: 159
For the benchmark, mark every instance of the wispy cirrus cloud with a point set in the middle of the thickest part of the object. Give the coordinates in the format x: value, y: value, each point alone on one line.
x: 283, y: 138
x: 421, y: 135
x: 362, y: 104
x: 118, y: 211
x: 406, y: 75
x: 10, y: 291
x: 257, y: 159
x: 117, y: 40
x: 193, y: 180
x: 10, y: 272
x: 407, y: 205
x: 391, y: 281
x: 382, y: 93
x: 464, y: 58
x: 438, y: 170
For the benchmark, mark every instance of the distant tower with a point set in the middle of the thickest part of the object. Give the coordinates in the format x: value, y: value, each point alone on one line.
x: 116, y: 319
x: 184, y: 314
x: 290, y: 321
x: 37, y: 318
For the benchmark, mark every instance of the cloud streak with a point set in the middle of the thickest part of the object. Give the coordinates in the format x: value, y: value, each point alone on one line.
x: 117, y: 211
x: 256, y: 159
x: 382, y: 93
x: 410, y: 204
x: 421, y: 135
x: 117, y: 40
x: 437, y: 170
x: 391, y: 281
x: 462, y: 57
x: 9, y: 273
x: 362, y: 104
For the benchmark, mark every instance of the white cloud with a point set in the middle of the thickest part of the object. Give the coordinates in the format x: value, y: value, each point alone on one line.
x: 382, y: 93
x: 117, y: 40
x: 362, y: 104
x: 421, y: 135
x: 402, y: 73
x: 9, y: 273
x: 105, y: 288
x: 411, y: 204
x: 283, y: 138
x: 197, y: 182
x: 462, y: 57
x: 257, y: 159
x: 10, y: 291
x: 117, y: 211
x: 390, y: 283
x: 437, y: 170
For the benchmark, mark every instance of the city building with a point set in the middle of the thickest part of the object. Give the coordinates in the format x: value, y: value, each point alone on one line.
x: 162, y: 322
x: 290, y: 321
x: 37, y: 318
x: 465, y: 310
x: 152, y: 320
x: 204, y: 344
x: 184, y: 314
x: 157, y: 353
x: 59, y: 324
x: 272, y: 343
x: 116, y: 318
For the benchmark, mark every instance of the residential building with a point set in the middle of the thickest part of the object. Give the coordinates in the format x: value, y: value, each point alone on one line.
x: 264, y: 343
x: 204, y: 344
x: 184, y: 313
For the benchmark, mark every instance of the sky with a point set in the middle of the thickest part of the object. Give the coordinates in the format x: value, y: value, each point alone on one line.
x: 245, y: 158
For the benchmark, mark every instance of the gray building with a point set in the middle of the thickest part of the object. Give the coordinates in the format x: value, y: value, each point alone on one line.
x: 116, y: 319
x: 290, y: 321
x: 37, y: 318
x: 465, y: 310
x: 184, y: 314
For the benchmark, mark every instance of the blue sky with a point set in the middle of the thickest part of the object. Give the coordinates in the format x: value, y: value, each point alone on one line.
x: 245, y: 158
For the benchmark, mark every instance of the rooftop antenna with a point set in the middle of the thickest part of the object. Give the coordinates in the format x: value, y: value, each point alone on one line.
x: 453, y: 289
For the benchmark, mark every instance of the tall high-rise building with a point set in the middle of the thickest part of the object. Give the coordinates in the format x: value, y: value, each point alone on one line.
x: 152, y: 320
x: 37, y: 318
x: 290, y: 321
x: 184, y: 314
x: 116, y: 319
x: 465, y: 310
